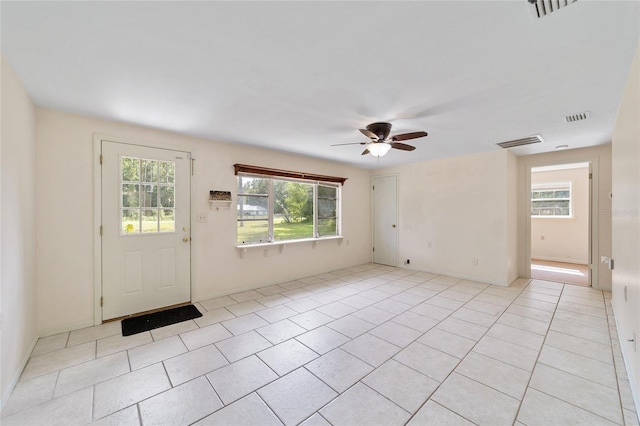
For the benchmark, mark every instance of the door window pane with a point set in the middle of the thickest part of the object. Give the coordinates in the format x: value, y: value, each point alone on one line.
x: 130, y: 195
x: 166, y: 196
x: 149, y: 170
x: 167, y: 171
x: 149, y: 220
x: 149, y: 195
x: 147, y: 199
x: 167, y: 220
x: 130, y: 169
x: 130, y: 220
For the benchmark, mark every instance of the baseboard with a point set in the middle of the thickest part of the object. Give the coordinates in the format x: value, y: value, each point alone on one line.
x: 453, y: 275
x: 634, y: 391
x: 16, y: 375
x: 64, y: 328
x: 561, y: 260
x: 515, y: 280
x: 195, y: 298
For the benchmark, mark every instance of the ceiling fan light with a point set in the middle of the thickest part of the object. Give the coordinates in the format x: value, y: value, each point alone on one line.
x: 378, y: 149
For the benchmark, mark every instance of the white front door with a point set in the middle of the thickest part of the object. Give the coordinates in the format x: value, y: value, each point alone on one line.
x: 385, y: 220
x: 146, y: 249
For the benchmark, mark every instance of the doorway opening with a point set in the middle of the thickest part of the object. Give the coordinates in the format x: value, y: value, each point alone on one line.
x: 561, y: 223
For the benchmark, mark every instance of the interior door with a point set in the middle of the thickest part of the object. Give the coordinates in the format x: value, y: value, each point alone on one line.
x: 146, y: 249
x: 385, y: 220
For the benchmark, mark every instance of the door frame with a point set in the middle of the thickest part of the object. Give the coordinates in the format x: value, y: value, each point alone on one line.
x: 397, y: 176
x: 594, y: 264
x: 98, y: 138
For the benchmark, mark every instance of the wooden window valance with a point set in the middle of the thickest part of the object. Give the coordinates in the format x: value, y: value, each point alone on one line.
x: 257, y: 170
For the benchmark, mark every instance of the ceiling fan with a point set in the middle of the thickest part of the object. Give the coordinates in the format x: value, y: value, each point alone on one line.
x: 380, y: 143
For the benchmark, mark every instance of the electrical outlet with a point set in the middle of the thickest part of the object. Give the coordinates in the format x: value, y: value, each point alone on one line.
x: 474, y: 261
x: 203, y: 218
x: 407, y: 262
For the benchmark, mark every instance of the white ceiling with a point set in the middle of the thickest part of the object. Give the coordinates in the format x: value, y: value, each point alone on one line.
x: 300, y: 76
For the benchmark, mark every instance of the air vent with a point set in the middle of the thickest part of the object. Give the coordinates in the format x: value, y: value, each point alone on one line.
x: 577, y: 117
x: 520, y: 142
x: 542, y: 8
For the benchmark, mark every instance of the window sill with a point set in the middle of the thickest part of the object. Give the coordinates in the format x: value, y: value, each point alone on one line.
x: 285, y: 242
x: 558, y: 218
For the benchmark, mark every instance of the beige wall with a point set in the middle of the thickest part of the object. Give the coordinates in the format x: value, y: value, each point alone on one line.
x: 626, y: 224
x: 600, y: 156
x: 18, y: 248
x: 459, y: 205
x: 66, y: 229
x: 563, y: 239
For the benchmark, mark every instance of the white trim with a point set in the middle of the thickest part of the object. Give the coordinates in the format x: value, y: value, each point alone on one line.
x: 68, y: 327
x: 286, y: 242
x: 97, y: 222
x: 16, y: 376
x: 632, y: 381
x: 583, y: 262
x: 556, y: 167
x: 593, y: 214
x: 98, y: 138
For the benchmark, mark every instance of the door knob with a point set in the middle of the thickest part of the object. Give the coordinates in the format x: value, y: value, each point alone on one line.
x: 393, y: 226
x: 185, y: 239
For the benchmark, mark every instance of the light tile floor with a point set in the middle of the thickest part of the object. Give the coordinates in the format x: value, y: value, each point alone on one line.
x: 370, y: 345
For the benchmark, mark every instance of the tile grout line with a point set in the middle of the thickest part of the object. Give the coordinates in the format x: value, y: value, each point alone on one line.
x: 613, y: 356
x: 463, y: 358
x: 537, y: 362
x: 351, y: 339
x: 389, y: 296
x: 526, y: 389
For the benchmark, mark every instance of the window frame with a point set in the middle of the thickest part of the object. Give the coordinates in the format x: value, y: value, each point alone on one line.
x: 271, y: 178
x: 552, y: 186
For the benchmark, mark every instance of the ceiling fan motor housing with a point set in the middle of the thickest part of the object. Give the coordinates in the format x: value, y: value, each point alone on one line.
x: 380, y: 129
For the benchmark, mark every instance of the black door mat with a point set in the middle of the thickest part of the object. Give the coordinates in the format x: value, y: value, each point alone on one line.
x: 155, y: 320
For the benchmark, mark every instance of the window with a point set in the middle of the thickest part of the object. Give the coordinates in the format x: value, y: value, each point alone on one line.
x: 275, y: 208
x: 147, y: 202
x: 551, y: 200
x: 327, y: 208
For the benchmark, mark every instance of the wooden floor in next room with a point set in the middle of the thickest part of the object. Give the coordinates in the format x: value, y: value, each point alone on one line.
x: 560, y: 272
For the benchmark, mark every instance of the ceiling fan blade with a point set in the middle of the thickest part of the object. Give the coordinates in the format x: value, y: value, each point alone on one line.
x: 402, y: 146
x: 365, y: 152
x: 407, y: 136
x: 351, y: 143
x: 369, y: 134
